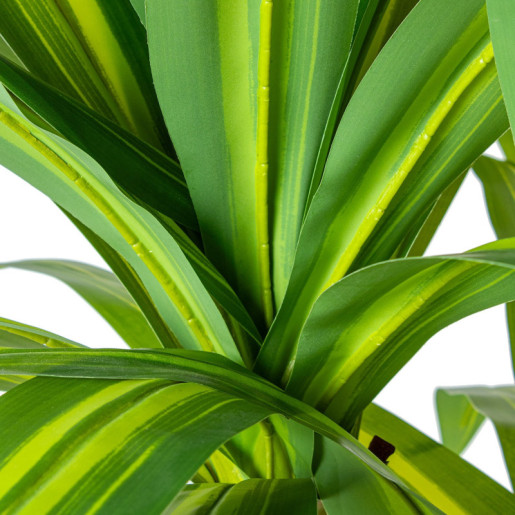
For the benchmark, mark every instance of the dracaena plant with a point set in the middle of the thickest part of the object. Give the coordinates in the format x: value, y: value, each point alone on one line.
x: 263, y: 178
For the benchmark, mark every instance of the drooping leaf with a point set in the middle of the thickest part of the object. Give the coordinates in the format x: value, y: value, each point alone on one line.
x: 498, y: 179
x: 461, y: 412
x: 94, y: 51
x: 501, y: 18
x: 15, y: 335
x: 103, y: 291
x: 304, y: 77
x: 145, y: 173
x: 251, y: 497
x: 207, y: 83
x: 77, y: 184
x: 394, y: 153
x: 204, y: 368
x: 448, y: 482
x: 367, y: 326
x: 109, y: 446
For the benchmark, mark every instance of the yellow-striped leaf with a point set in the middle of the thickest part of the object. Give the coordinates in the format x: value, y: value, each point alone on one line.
x: 367, y: 326
x: 109, y: 446
x: 77, y: 184
x: 442, y: 477
x: 399, y: 144
x: 207, y: 81
x: 92, y: 50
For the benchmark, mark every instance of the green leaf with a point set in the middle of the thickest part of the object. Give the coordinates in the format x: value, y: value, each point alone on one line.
x: 508, y: 145
x: 128, y: 277
x: 501, y: 18
x: 458, y: 419
x: 15, y: 335
x: 251, y: 497
x: 139, y: 7
x: 146, y: 174
x: 418, y: 245
x: 77, y: 184
x: 461, y: 412
x: 207, y: 83
x: 366, y: 11
x: 347, y: 487
x: 368, y: 325
x: 398, y: 146
x: 498, y: 179
x: 93, y: 51
x: 442, y: 477
x: 104, y: 292
x: 304, y: 77
x: 109, y: 446
x: 209, y: 369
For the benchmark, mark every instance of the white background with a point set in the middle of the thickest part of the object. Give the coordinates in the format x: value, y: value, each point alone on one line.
x: 474, y: 351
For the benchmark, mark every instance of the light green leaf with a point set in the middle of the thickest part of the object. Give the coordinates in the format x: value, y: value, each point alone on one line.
x: 508, y: 145
x: 109, y: 446
x: 251, y: 497
x: 93, y: 51
x: 144, y: 173
x: 498, y: 180
x: 104, y: 292
x: 368, y: 325
x: 304, y: 77
x: 461, y: 412
x: 78, y: 185
x: 442, y: 477
x: 207, y: 83
x: 139, y: 7
x: 127, y: 275
x: 398, y: 146
x: 501, y: 18
x: 15, y: 335
x: 181, y: 365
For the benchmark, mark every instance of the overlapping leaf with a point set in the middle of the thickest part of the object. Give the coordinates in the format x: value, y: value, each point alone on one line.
x: 104, y: 292
x: 94, y: 51
x: 109, y: 446
x: 450, y: 483
x: 428, y: 106
x: 461, y: 412
x: 368, y: 325
x: 77, y: 184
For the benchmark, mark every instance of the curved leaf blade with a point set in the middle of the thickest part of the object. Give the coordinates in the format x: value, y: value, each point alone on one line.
x: 304, y: 77
x: 393, y: 154
x: 367, y: 326
x: 109, y: 446
x: 143, y: 172
x: 93, y: 51
x: 442, y: 477
x: 461, y: 412
x: 103, y: 291
x: 204, y: 368
x: 77, y: 184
